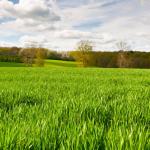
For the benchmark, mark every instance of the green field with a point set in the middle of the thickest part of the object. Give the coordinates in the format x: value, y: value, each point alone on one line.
x: 11, y: 64
x: 74, y: 108
x: 48, y: 63
x: 60, y: 63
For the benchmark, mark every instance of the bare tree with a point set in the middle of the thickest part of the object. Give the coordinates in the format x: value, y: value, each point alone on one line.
x: 32, y: 44
x: 123, y: 60
x: 123, y: 46
x: 33, y: 53
x: 84, y: 48
x: 28, y: 55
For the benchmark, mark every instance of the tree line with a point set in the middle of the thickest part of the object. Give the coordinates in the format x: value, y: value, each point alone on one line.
x: 119, y: 59
x: 124, y: 58
x: 84, y: 54
x: 31, y: 55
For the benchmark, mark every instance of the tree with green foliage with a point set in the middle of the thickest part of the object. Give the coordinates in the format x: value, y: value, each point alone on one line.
x: 9, y: 54
x: 40, y: 56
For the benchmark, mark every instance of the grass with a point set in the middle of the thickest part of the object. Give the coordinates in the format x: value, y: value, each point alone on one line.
x: 11, y: 64
x: 48, y: 63
x: 74, y: 108
x: 60, y: 63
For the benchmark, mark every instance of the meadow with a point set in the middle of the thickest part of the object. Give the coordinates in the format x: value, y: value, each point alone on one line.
x: 66, y: 107
x: 48, y: 63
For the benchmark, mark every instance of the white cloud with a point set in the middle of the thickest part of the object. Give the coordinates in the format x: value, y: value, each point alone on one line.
x: 33, y: 9
x: 29, y: 15
x: 62, y: 23
x: 7, y: 44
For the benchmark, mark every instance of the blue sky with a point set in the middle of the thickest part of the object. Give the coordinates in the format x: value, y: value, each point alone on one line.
x: 60, y: 24
x: 14, y: 1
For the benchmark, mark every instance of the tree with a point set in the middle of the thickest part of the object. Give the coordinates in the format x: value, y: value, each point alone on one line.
x: 123, y: 61
x: 82, y: 55
x: 123, y: 46
x: 28, y: 55
x: 34, y: 53
x: 40, y: 56
x: 51, y: 54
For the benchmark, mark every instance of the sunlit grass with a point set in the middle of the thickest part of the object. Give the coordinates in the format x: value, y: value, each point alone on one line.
x: 48, y: 63
x: 74, y: 108
x: 60, y: 63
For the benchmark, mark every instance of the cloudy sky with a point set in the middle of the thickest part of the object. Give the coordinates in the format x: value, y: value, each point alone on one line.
x: 60, y: 24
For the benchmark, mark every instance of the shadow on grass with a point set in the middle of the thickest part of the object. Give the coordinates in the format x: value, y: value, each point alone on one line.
x: 11, y: 64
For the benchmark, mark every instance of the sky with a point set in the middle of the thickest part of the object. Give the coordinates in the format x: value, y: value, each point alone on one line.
x: 61, y: 24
